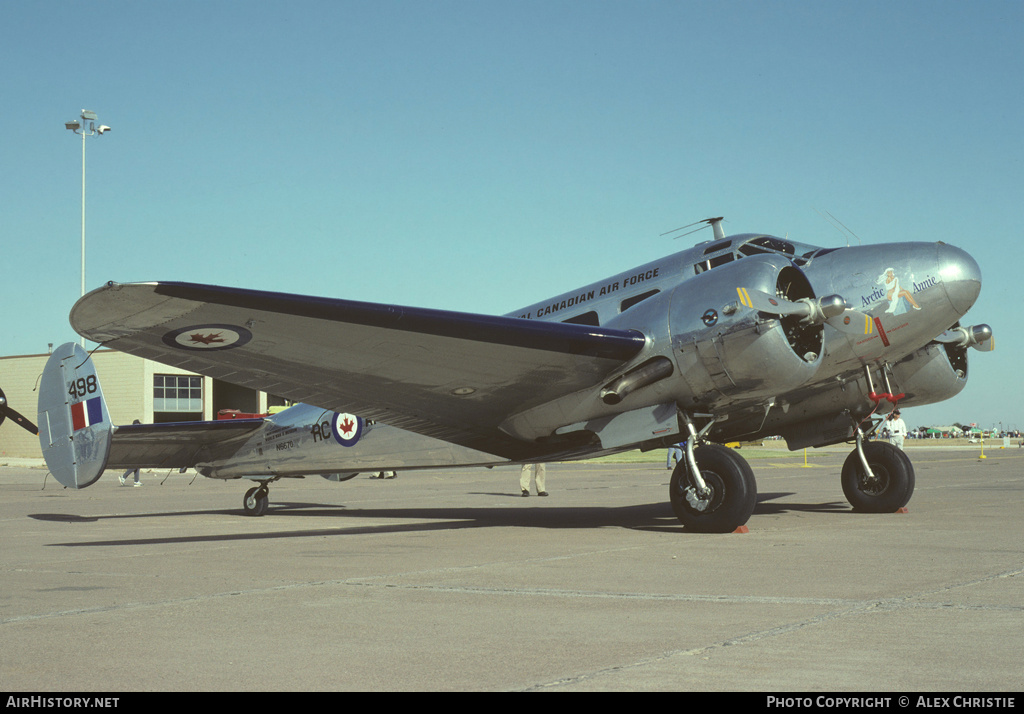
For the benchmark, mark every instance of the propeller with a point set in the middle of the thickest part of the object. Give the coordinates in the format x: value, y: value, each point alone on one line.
x: 6, y: 411
x: 977, y: 336
x: 830, y: 308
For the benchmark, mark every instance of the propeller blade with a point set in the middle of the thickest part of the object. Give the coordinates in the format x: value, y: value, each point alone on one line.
x: 956, y: 336
x: 853, y: 322
x: 763, y: 302
x: 7, y: 412
x: 830, y: 308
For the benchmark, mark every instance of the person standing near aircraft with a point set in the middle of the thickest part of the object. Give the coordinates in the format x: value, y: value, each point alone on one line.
x: 123, y: 478
x: 674, y: 452
x: 539, y: 474
x: 897, y: 429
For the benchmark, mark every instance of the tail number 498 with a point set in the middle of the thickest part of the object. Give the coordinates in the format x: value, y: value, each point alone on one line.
x: 82, y: 387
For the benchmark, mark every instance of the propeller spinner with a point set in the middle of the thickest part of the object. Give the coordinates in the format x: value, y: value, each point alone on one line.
x: 977, y: 336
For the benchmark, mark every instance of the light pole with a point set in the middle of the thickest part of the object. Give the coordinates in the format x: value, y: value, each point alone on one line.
x: 92, y: 130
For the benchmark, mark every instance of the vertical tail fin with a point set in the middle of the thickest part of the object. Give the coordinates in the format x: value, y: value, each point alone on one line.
x: 74, y: 425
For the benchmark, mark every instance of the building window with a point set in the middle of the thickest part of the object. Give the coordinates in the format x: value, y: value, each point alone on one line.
x: 177, y: 393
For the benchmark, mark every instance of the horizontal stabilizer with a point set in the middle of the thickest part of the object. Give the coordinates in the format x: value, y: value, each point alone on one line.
x: 177, y: 445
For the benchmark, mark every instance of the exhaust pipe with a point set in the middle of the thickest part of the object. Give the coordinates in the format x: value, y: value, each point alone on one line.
x: 647, y: 373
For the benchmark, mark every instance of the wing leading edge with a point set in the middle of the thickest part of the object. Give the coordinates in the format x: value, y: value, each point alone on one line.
x: 450, y: 375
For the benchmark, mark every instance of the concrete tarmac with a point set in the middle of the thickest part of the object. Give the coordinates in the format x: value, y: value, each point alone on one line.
x: 450, y: 580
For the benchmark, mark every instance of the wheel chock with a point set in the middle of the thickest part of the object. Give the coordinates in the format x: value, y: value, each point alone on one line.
x: 904, y: 509
x: 742, y: 529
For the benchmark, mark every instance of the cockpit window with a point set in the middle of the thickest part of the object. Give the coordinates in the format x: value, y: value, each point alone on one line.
x: 771, y: 243
x: 720, y: 245
x: 751, y: 249
x: 710, y: 263
x: 799, y: 253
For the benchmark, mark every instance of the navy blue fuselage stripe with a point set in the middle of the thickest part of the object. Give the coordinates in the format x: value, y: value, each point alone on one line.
x: 599, y: 342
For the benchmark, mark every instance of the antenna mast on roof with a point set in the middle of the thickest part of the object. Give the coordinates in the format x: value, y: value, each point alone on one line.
x: 715, y: 223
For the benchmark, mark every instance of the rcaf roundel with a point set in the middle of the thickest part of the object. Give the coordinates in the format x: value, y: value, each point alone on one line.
x: 347, y: 429
x: 207, y: 337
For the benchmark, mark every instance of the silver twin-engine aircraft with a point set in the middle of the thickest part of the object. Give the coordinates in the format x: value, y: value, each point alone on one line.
x: 738, y: 338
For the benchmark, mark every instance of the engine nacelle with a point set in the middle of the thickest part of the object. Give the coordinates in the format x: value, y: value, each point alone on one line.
x: 931, y: 374
x: 728, y: 351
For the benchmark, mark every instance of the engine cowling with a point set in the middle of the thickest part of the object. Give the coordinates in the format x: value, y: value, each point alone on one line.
x: 931, y: 374
x: 726, y: 349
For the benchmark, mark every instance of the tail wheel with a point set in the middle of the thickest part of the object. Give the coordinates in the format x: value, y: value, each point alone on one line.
x: 891, y: 485
x: 731, y: 495
x: 256, y: 501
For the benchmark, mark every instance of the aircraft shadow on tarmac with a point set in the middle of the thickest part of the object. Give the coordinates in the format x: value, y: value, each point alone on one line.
x: 655, y: 517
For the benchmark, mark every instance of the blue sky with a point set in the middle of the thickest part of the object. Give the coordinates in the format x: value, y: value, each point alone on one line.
x: 481, y: 156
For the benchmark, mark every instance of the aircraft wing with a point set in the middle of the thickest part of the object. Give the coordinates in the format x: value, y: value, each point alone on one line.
x: 449, y: 375
x: 177, y: 445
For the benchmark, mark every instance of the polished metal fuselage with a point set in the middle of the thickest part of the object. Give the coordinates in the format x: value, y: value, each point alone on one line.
x: 756, y: 374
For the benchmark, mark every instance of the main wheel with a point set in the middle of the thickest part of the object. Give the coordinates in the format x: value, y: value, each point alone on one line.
x: 255, y: 501
x: 732, y: 491
x: 892, y: 485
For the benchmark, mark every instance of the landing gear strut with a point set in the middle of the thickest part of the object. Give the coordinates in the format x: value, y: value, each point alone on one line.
x: 728, y: 497
x: 713, y: 489
x: 878, y: 478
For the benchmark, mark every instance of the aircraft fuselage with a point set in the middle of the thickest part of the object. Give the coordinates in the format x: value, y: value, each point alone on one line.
x: 759, y: 373
x: 740, y: 337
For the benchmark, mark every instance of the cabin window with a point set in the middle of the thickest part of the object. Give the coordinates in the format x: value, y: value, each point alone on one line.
x: 587, y: 318
x: 631, y: 301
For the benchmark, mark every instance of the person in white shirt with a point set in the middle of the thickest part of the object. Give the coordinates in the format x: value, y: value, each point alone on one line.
x: 897, y: 429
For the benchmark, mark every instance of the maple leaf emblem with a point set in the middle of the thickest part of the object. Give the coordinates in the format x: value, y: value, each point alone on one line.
x: 346, y: 426
x: 198, y: 338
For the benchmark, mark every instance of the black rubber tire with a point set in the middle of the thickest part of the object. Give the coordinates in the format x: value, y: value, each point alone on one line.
x: 255, y: 501
x: 892, y: 486
x: 734, y: 491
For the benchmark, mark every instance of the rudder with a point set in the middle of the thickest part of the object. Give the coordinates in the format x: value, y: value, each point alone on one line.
x: 74, y: 425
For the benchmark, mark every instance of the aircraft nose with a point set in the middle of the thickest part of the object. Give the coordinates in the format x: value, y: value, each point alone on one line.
x: 960, y: 276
